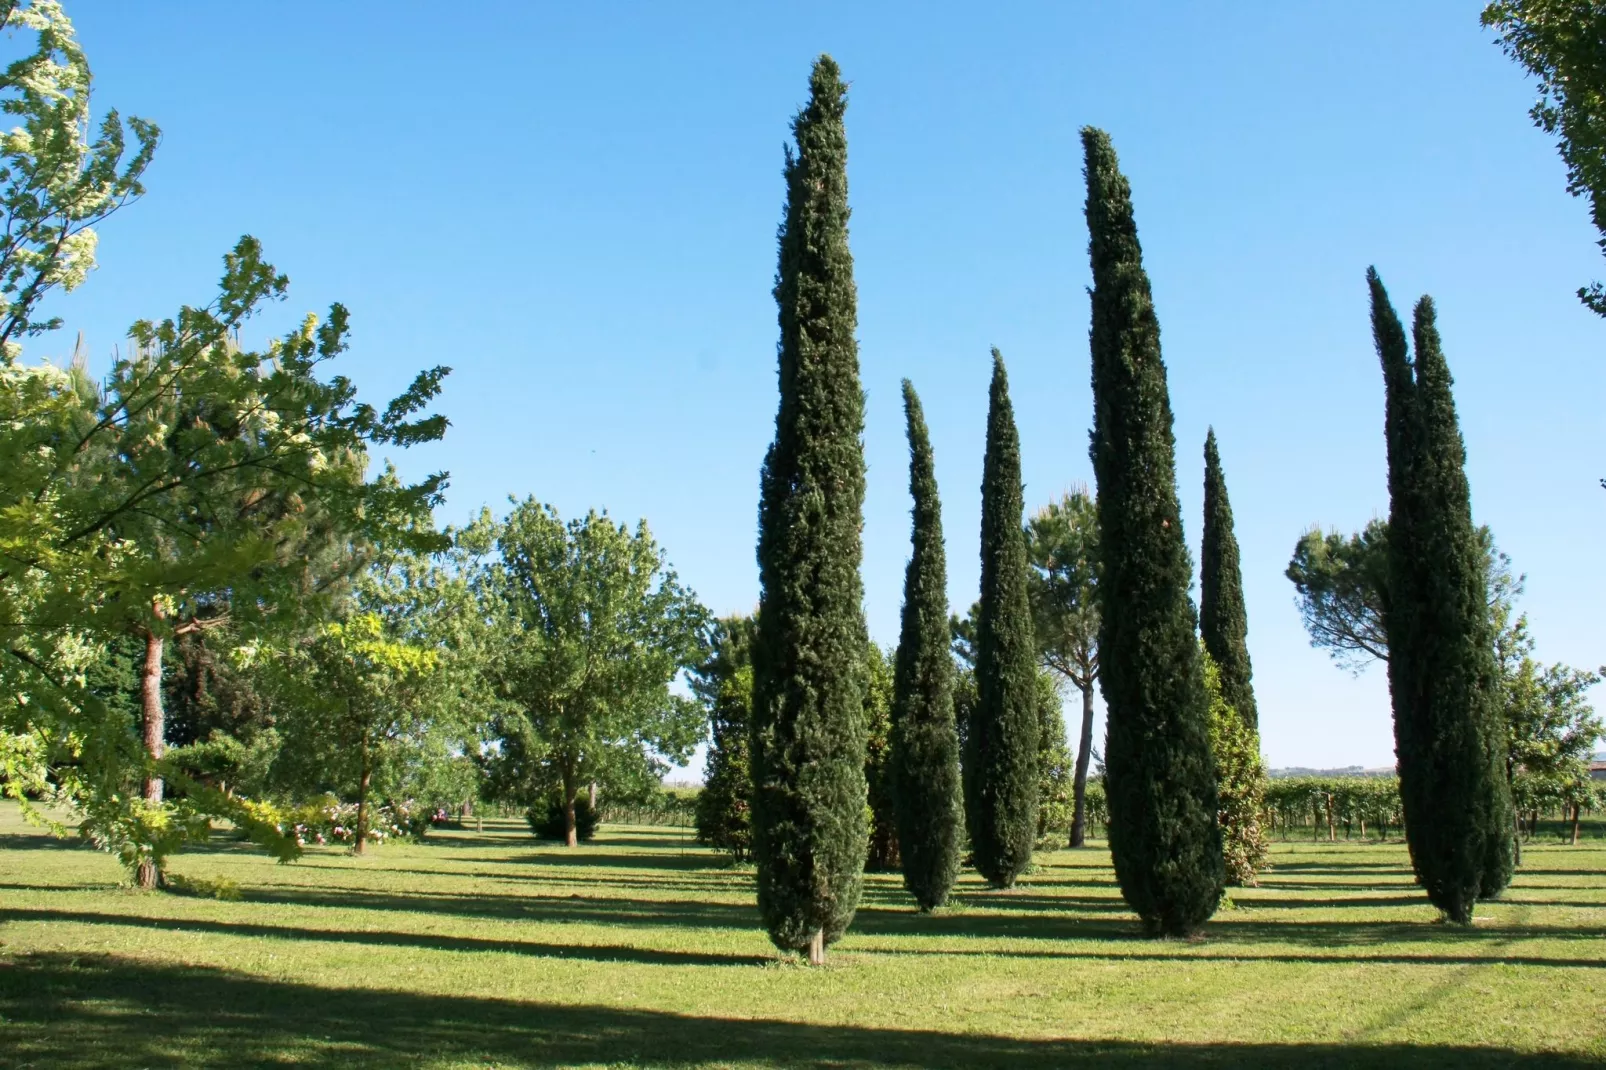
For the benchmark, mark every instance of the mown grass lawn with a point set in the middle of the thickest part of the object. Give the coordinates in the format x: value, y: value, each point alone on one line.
x: 489, y: 949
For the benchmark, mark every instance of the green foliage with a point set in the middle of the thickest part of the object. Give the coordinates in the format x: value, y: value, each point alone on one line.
x: 1062, y: 541
x: 1159, y: 772
x: 1223, y: 620
x: 1559, y: 43
x: 724, y: 806
x: 55, y: 184
x: 882, y: 852
x: 1241, y: 786
x: 925, y: 743
x: 1551, y: 727
x: 1442, y: 673
x: 549, y: 819
x: 809, y: 829
x: 1354, y: 802
x: 1055, y: 766
x: 1342, y: 590
x: 1003, y: 736
x: 584, y: 627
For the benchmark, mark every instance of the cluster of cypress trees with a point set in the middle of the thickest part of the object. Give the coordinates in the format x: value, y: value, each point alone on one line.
x: 808, y: 745
x: 1442, y: 674
x: 1160, y: 776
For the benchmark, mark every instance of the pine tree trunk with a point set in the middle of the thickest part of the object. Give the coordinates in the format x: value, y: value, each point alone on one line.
x: 1084, y: 755
x: 362, y: 801
x: 817, y: 948
x: 154, y: 729
x: 571, y: 791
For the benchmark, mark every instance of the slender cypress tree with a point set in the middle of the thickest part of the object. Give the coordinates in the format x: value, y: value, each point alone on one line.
x: 925, y: 745
x: 1223, y: 622
x: 1003, y: 729
x: 1442, y: 673
x: 1160, y: 777
x: 809, y: 833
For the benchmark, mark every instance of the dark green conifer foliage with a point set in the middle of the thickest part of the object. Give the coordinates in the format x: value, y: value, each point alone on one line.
x: 1223, y: 621
x: 925, y: 745
x: 1160, y: 777
x: 1442, y: 675
x: 809, y: 832
x: 1003, y: 730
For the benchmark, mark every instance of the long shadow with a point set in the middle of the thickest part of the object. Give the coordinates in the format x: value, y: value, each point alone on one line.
x: 425, y: 941
x: 596, y: 856
x: 41, y: 841
x: 1273, y: 903
x: 84, y: 1012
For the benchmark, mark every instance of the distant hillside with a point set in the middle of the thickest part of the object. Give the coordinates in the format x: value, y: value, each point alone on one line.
x: 1348, y: 770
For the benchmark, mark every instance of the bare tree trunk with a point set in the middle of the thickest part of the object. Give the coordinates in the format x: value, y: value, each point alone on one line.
x: 154, y: 729
x: 593, y: 797
x: 817, y: 948
x: 1576, y: 809
x: 1084, y: 753
x: 362, y: 800
x: 1332, y: 830
x: 1516, y: 836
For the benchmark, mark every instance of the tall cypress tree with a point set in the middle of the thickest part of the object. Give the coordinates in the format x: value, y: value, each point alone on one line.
x: 1223, y: 622
x: 1003, y: 730
x: 925, y: 745
x: 1442, y: 673
x: 809, y: 831
x: 1160, y: 777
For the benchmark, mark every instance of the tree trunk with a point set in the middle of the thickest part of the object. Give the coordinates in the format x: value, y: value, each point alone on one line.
x: 571, y: 790
x: 154, y: 729
x: 1576, y: 809
x: 362, y: 801
x: 1084, y: 752
x: 593, y: 797
x: 817, y: 948
x: 1516, y: 836
x: 1332, y: 830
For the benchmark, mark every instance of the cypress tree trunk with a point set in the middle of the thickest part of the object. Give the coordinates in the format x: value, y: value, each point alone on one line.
x: 1003, y: 734
x: 1223, y: 621
x: 1160, y: 777
x: 809, y: 834
x: 925, y: 745
x: 1442, y: 673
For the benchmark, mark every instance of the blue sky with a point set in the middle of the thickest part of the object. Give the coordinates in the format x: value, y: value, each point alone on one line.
x: 575, y: 207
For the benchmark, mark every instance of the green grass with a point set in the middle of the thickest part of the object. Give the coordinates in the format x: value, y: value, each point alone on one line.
x: 644, y: 950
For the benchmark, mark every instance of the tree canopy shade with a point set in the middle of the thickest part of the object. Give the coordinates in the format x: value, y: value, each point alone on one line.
x: 809, y: 831
x: 1160, y: 777
x: 1442, y: 675
x: 1223, y: 620
x: 925, y: 745
x: 1003, y: 739
x: 588, y: 627
x: 1559, y: 42
x: 1062, y: 540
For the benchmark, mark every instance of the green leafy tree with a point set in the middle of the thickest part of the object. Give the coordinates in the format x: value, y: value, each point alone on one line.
x: 925, y: 744
x: 724, y: 684
x: 809, y: 831
x: 724, y: 808
x: 1223, y: 620
x: 1442, y: 674
x: 1003, y: 737
x: 1062, y: 541
x: 56, y: 184
x: 589, y: 627
x: 1559, y: 43
x: 882, y: 852
x: 1055, y: 766
x: 1241, y: 785
x: 1159, y: 774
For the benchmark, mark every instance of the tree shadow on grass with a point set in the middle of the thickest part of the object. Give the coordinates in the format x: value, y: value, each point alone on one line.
x: 87, y: 1011
x: 423, y: 941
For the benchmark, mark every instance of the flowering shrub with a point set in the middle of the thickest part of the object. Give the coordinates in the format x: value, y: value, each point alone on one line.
x: 330, y: 821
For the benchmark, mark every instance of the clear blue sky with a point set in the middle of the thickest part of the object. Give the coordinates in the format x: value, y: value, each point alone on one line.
x: 575, y: 207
